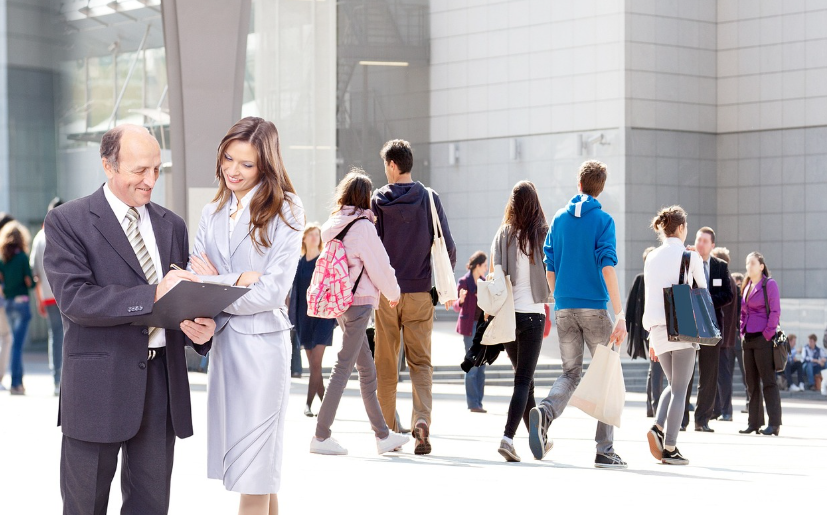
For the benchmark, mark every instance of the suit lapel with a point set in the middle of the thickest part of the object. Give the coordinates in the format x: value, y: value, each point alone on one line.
x: 242, y: 229
x: 222, y: 231
x: 163, y: 237
x: 110, y: 228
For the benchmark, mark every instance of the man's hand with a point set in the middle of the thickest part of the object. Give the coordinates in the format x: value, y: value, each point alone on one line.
x: 201, y: 265
x: 619, y: 333
x: 172, y: 278
x: 393, y: 303
x: 200, y: 330
x: 41, y: 309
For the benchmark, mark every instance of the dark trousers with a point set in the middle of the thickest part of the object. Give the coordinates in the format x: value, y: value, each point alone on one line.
x: 708, y: 365
x: 739, y: 358
x: 87, y: 468
x: 726, y: 366
x: 654, y: 387
x: 524, y: 353
x: 761, y: 383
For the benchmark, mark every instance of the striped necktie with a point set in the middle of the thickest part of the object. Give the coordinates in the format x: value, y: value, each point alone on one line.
x: 141, y: 252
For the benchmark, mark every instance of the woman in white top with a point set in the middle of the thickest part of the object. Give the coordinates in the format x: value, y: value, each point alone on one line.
x: 662, y: 270
x: 518, y: 248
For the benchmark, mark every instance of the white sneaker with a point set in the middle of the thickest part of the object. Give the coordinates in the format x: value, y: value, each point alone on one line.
x: 328, y: 446
x: 57, y: 390
x: 393, y: 442
x: 794, y: 388
x: 2, y: 388
x: 802, y: 387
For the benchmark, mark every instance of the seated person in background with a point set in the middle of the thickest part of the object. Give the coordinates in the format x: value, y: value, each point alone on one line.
x: 813, y: 360
x: 794, y: 365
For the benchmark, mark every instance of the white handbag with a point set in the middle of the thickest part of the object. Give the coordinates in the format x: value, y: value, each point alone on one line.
x: 602, y: 392
x: 496, y: 298
x: 444, y: 280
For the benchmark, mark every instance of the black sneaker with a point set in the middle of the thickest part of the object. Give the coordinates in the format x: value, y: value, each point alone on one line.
x: 655, y: 437
x: 673, y: 457
x: 609, y: 460
x: 538, y: 424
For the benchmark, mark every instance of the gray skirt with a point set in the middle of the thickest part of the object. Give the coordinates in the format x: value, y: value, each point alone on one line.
x: 248, y: 388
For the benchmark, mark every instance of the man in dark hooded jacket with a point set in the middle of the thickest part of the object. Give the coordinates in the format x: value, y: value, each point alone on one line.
x: 405, y: 226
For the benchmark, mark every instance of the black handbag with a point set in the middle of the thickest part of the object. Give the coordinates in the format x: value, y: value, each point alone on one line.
x: 690, y: 315
x: 780, y: 345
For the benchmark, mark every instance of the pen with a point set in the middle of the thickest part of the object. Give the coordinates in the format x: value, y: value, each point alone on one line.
x: 176, y: 267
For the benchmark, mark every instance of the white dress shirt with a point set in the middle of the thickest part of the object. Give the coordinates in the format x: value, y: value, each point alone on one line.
x: 662, y: 270
x: 158, y: 338
x: 240, y: 206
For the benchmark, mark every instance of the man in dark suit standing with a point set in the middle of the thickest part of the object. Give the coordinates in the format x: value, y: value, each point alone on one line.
x: 719, y: 284
x: 124, y: 388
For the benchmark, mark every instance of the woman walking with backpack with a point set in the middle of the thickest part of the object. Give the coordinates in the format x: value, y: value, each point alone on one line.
x: 369, y: 272
x: 518, y: 248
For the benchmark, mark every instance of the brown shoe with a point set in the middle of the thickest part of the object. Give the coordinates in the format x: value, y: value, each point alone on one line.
x: 423, y: 444
x: 17, y: 390
x: 478, y: 410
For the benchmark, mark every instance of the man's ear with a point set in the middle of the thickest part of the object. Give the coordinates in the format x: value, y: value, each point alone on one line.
x: 108, y: 168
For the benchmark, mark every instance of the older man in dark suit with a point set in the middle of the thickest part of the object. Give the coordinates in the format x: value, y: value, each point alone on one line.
x: 124, y: 387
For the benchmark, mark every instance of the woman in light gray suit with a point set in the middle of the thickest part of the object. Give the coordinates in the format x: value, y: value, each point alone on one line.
x: 250, y: 235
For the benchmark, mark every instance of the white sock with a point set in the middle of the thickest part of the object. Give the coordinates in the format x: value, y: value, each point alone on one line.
x: 669, y: 448
x: 508, y: 440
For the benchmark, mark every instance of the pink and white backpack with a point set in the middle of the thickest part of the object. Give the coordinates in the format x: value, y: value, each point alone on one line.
x: 330, y: 292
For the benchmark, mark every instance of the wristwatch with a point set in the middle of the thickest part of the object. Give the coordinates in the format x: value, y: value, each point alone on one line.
x: 621, y: 315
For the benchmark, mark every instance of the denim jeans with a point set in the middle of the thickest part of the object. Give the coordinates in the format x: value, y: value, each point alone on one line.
x: 19, y: 315
x: 577, y: 329
x: 55, y: 341
x: 475, y: 378
x: 524, y: 353
x: 811, y: 369
x: 296, y: 356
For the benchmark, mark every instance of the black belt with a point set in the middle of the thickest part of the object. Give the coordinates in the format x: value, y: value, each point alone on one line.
x: 155, y: 353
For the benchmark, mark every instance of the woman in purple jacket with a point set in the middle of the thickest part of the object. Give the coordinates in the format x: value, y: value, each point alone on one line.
x: 758, y: 327
x: 467, y: 326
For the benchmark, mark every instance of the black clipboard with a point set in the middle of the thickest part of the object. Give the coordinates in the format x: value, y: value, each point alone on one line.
x: 189, y: 300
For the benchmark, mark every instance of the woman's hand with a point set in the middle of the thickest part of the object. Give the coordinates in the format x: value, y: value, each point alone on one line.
x: 248, y: 278
x: 652, y: 355
x: 201, y: 265
x: 462, y: 293
x: 393, y: 303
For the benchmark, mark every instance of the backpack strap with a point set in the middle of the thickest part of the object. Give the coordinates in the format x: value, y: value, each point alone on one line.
x: 343, y: 233
x: 341, y: 237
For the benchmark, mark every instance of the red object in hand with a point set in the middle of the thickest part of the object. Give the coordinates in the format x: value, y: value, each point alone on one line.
x: 547, y: 328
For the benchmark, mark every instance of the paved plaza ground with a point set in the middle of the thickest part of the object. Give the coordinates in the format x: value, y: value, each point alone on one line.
x: 728, y: 472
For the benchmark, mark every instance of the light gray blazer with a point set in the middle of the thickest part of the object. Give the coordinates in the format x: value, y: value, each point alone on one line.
x: 504, y: 252
x: 262, y: 309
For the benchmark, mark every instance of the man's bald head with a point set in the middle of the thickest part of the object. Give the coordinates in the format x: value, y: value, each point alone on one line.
x: 110, y: 148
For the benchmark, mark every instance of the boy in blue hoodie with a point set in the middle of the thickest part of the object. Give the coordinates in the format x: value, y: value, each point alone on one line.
x: 580, y: 256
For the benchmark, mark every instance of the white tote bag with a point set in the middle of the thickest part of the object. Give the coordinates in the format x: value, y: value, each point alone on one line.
x: 496, y: 298
x: 444, y: 280
x: 602, y: 392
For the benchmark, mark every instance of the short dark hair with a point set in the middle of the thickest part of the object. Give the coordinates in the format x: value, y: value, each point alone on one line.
x: 111, y: 146
x: 592, y: 177
x: 813, y: 337
x: 709, y: 231
x: 399, y: 151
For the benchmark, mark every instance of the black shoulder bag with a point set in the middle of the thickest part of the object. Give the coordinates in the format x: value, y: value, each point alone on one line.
x: 780, y: 345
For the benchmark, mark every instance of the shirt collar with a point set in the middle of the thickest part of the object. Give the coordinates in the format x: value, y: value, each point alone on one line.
x: 243, y: 203
x: 674, y: 241
x: 118, y: 206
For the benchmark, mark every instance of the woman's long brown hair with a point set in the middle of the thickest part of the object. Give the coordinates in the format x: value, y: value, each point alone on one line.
x: 524, y: 214
x: 14, y: 238
x: 274, y: 183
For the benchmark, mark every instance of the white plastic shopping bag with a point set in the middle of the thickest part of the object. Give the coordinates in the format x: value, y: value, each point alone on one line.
x: 602, y: 392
